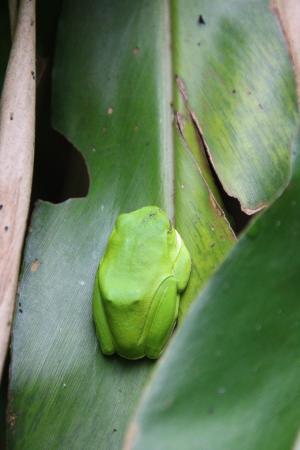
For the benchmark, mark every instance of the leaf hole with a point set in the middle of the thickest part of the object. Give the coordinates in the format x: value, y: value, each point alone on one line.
x: 60, y: 170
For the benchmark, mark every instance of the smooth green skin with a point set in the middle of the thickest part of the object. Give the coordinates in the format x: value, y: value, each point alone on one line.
x: 136, y: 297
x: 236, y: 356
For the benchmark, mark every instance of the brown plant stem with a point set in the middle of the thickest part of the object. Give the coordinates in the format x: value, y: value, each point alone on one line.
x: 17, y: 128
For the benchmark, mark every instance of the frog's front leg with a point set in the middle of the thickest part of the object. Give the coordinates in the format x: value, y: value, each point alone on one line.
x: 163, y: 315
x: 102, y: 329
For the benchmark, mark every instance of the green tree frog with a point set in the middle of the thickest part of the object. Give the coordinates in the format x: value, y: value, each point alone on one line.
x: 137, y: 289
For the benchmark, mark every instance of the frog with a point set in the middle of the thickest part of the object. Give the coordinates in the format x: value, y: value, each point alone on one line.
x: 139, y: 281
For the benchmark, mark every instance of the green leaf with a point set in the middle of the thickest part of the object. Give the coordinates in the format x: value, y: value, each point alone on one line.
x: 111, y: 99
x: 236, y: 79
x: 230, y: 379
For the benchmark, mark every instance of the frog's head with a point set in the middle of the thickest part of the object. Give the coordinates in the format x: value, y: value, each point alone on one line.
x: 148, y: 217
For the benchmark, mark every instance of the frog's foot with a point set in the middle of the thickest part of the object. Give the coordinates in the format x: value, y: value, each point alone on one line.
x: 163, y: 318
x: 102, y: 329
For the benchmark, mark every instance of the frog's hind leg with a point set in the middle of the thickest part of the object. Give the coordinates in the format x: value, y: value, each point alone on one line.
x: 182, y: 266
x: 163, y: 318
x: 102, y: 329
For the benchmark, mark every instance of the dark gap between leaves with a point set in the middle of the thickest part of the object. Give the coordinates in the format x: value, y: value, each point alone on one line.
x: 237, y: 218
x: 3, y: 403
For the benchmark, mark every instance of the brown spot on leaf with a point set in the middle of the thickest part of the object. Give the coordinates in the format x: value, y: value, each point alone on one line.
x: 136, y: 51
x: 35, y: 265
x: 12, y: 420
x: 201, y: 20
x: 110, y: 111
x: 182, y: 88
x: 180, y: 122
x: 215, y: 205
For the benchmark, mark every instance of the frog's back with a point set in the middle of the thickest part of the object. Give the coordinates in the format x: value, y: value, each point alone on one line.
x: 137, y: 256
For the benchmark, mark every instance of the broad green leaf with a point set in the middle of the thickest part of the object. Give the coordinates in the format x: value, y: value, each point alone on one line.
x: 230, y: 379
x: 236, y: 79
x: 111, y: 99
